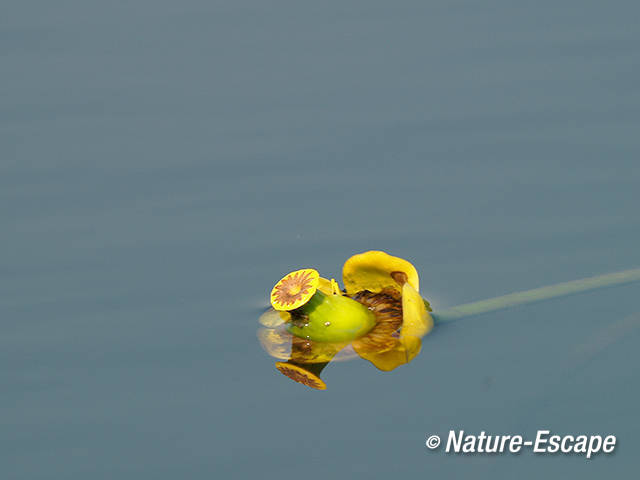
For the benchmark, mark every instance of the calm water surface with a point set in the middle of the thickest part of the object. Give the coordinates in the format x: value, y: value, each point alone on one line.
x: 162, y: 164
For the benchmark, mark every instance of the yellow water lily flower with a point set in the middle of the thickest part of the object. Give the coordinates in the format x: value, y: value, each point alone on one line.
x: 380, y: 316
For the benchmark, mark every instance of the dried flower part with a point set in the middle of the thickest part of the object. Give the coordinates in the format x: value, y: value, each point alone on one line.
x: 294, y: 289
x: 416, y: 322
x: 387, y: 308
x: 399, y: 277
x: 303, y: 375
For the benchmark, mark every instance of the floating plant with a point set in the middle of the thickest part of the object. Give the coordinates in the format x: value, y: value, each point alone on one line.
x: 379, y: 315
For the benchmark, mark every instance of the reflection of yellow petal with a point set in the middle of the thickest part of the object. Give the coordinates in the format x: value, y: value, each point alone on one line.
x: 280, y: 344
x: 302, y: 374
x: 416, y: 322
x: 375, y: 271
x: 272, y: 318
x: 306, y: 351
x: 275, y: 343
x: 387, y: 361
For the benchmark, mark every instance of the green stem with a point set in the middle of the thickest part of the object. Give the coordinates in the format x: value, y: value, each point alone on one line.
x: 537, y: 295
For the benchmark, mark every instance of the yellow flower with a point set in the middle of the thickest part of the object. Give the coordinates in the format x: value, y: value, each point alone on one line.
x: 380, y: 316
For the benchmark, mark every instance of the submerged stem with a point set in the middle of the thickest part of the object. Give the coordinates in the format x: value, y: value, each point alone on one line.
x: 537, y: 295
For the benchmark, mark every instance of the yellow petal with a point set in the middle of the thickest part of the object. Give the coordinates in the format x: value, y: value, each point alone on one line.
x: 416, y: 321
x: 324, y: 286
x: 328, y: 287
x: 375, y: 271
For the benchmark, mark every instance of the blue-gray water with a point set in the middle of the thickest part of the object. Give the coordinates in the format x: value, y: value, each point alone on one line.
x: 162, y: 164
